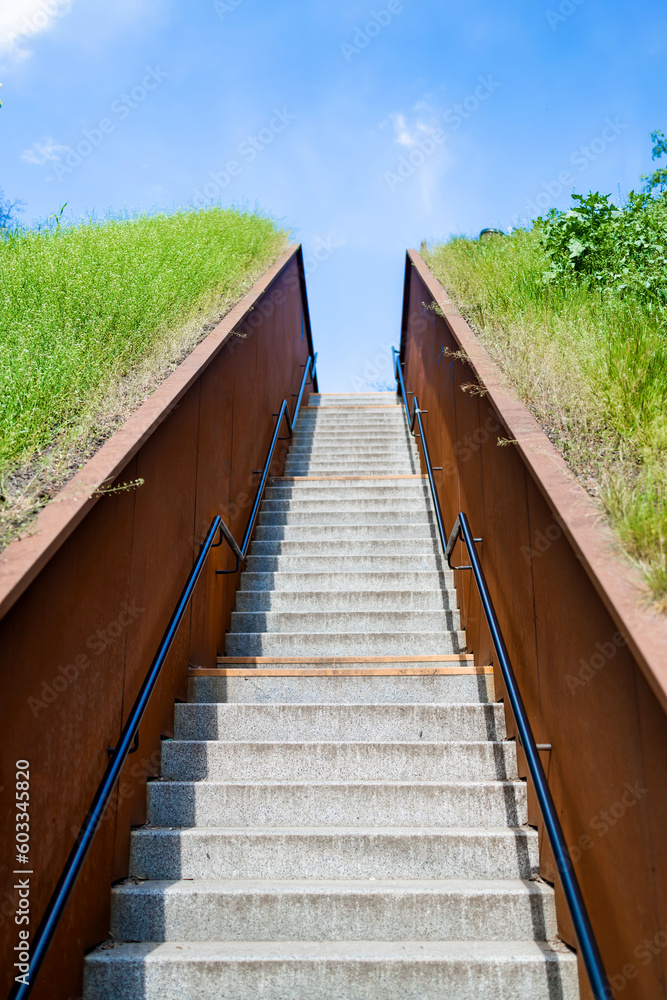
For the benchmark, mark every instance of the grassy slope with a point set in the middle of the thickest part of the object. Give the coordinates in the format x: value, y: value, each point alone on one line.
x: 592, y: 366
x: 92, y: 318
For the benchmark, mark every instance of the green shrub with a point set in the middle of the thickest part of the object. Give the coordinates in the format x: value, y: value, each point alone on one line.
x: 574, y: 311
x: 620, y: 250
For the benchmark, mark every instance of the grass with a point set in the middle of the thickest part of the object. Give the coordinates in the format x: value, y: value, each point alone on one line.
x: 591, y: 364
x: 92, y: 318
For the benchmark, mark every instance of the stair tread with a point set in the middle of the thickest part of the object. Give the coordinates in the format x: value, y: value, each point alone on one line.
x: 387, y: 832
x: 387, y: 951
x: 453, y: 886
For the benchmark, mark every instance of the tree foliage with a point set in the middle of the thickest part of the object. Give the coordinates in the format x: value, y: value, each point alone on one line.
x: 622, y: 249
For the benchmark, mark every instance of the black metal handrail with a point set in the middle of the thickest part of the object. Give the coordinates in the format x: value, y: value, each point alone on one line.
x: 241, y: 551
x: 44, y: 935
x: 417, y: 418
x: 588, y: 947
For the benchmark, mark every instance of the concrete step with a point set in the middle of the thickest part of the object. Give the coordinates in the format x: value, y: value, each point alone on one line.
x: 303, y: 582
x: 347, y: 461
x: 364, y: 804
x: 334, y: 459
x: 332, y: 441
x: 358, y: 446
x: 322, y: 448
x: 334, y: 910
x: 370, y: 436
x: 348, y: 970
x: 340, y: 723
x: 376, y: 689
x: 302, y: 526
x: 357, y: 502
x: 342, y: 563
x: 343, y: 644
x: 360, y: 468
x: 355, y: 431
x: 319, y: 761
x: 381, y: 545
x: 343, y: 403
x: 350, y: 420
x: 353, y: 399
x: 302, y: 532
x: 345, y: 600
x: 334, y: 852
x: 376, y: 486
x: 340, y: 622
x: 323, y: 517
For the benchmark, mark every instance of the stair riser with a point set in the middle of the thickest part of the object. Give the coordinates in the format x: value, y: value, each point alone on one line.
x: 353, y: 399
x: 326, y: 454
x: 216, y: 853
x: 395, y: 520
x: 359, y: 446
x: 330, y: 914
x: 345, y: 644
x: 383, y: 546
x: 287, y: 527
x: 356, y: 724
x: 342, y: 621
x: 344, y: 600
x: 351, y: 470
x: 367, y: 465
x: 368, y: 486
x: 390, y: 977
x: 362, y: 399
x: 344, y: 564
x: 359, y: 422
x: 372, y: 690
x: 206, y: 804
x: 355, y: 425
x: 354, y: 582
x: 484, y: 761
x: 367, y: 439
x: 358, y: 503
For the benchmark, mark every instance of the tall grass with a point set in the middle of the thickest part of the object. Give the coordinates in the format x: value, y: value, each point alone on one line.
x: 92, y: 316
x: 591, y: 363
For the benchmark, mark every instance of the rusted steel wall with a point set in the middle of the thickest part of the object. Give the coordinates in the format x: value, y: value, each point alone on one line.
x: 591, y: 661
x: 85, y: 601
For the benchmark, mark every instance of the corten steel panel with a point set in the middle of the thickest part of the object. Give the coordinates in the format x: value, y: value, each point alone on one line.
x: 99, y: 579
x: 162, y: 545
x: 507, y: 556
x: 216, y: 409
x: 471, y: 499
x: 452, y: 436
x: 60, y: 709
x: 590, y: 660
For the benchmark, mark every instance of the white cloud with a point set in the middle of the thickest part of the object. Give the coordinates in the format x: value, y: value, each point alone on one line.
x: 410, y: 134
x: 20, y: 20
x: 41, y: 152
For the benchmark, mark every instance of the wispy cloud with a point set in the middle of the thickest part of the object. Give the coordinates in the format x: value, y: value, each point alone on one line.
x: 42, y: 152
x: 21, y: 20
x: 411, y: 133
x: 424, y: 157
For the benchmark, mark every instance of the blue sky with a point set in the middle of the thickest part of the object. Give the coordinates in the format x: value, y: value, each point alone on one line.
x: 363, y: 127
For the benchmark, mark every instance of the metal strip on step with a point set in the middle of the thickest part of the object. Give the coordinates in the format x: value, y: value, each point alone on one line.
x: 461, y: 671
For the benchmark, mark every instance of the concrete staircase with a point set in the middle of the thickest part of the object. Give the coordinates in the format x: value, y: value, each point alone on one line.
x: 339, y: 815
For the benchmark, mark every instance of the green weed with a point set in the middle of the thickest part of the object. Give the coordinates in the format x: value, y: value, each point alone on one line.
x: 93, y: 316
